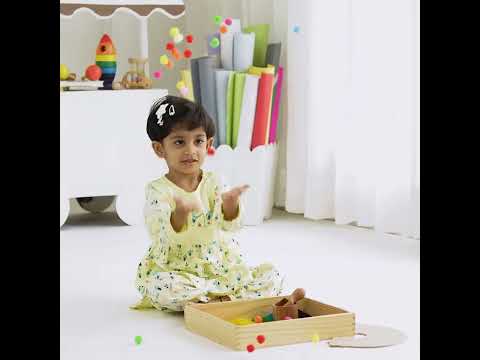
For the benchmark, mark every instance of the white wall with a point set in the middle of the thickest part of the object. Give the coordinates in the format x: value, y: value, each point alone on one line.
x: 80, y: 34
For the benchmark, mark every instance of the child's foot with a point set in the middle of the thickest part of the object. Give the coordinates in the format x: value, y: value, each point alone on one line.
x: 219, y: 299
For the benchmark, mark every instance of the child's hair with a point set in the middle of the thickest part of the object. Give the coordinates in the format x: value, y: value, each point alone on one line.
x: 178, y: 113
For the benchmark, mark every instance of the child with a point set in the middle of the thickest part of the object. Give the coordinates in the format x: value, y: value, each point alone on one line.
x: 191, y: 220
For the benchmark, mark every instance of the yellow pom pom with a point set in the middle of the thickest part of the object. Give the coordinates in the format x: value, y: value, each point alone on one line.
x: 315, y: 338
x: 164, y: 59
x: 174, y: 32
x: 242, y: 321
x: 180, y: 85
x: 64, y: 72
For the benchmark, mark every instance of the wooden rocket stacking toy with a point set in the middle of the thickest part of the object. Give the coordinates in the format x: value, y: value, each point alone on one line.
x: 106, y: 59
x: 288, y: 307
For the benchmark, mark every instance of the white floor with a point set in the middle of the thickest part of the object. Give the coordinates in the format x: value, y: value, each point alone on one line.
x: 375, y: 276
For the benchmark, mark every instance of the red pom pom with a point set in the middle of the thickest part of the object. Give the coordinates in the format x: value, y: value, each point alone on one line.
x: 170, y: 46
x: 187, y: 53
x: 189, y: 39
x: 261, y: 339
x: 211, y: 151
x: 250, y: 348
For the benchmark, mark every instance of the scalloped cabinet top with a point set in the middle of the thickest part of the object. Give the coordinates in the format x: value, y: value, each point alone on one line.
x: 108, y: 7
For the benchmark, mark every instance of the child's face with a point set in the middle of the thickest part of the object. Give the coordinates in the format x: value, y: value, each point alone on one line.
x: 184, y: 150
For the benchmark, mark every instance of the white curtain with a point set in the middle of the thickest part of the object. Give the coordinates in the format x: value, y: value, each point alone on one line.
x: 349, y: 131
x: 353, y: 118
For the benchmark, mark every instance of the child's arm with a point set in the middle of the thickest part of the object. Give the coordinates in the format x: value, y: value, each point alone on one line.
x: 231, y: 201
x: 158, y: 210
x: 227, y: 204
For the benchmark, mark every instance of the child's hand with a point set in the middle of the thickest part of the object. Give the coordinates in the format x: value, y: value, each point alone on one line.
x: 182, y: 209
x: 185, y: 207
x: 230, y: 200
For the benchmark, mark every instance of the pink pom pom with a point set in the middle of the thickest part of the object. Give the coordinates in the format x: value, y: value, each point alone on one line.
x: 157, y: 74
x: 228, y: 21
x: 184, y: 91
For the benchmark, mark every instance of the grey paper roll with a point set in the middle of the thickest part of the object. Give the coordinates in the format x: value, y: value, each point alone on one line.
x: 206, y: 70
x: 221, y: 84
x: 226, y: 51
x: 226, y: 44
x: 273, y: 55
x: 195, y: 80
x: 243, y: 45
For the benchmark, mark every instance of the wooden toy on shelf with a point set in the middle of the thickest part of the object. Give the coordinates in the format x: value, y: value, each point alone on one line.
x: 136, y: 77
x: 106, y: 60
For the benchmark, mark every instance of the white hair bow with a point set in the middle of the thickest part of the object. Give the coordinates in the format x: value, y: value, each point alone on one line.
x: 162, y: 110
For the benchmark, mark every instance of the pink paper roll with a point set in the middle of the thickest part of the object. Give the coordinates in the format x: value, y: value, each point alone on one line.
x: 276, y: 107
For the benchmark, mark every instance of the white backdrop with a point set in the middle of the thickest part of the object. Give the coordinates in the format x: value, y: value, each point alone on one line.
x: 353, y: 113
x: 351, y: 100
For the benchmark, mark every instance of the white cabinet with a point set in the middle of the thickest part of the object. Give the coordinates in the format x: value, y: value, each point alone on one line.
x: 105, y: 150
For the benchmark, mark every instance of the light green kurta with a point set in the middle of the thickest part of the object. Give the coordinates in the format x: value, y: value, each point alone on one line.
x: 201, y: 261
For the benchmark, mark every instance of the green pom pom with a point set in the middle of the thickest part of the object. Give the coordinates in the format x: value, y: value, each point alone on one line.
x: 138, y: 340
x: 218, y: 20
x: 268, y: 317
x: 214, y: 43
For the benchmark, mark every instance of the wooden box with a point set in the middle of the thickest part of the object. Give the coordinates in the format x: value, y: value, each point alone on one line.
x: 213, y: 321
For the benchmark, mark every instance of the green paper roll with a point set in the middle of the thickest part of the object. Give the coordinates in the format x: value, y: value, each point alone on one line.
x: 261, y: 43
x: 239, y: 85
x: 230, y: 94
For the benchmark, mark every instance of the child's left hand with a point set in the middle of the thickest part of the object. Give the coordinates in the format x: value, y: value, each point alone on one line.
x: 230, y: 200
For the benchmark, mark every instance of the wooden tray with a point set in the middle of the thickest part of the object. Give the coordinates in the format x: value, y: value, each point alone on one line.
x: 213, y: 321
